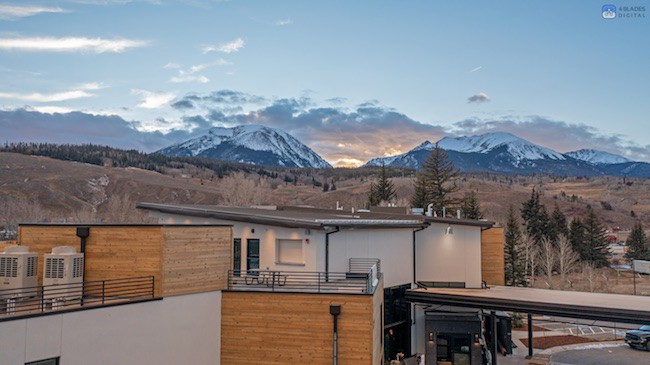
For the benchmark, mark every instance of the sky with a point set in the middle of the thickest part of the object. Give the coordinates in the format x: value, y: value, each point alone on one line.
x: 353, y: 80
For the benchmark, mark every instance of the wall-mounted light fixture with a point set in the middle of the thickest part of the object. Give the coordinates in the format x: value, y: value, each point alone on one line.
x: 252, y: 230
x: 430, y: 336
x: 449, y: 230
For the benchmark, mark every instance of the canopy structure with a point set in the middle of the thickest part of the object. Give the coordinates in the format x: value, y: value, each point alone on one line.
x: 595, y: 306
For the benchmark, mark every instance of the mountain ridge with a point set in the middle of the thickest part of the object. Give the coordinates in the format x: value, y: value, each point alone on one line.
x: 503, y: 152
x: 252, y: 144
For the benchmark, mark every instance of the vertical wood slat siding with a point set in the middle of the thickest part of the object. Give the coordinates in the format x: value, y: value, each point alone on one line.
x: 183, y: 260
x: 196, y: 259
x: 294, y: 328
x: 112, y: 252
x: 492, y: 256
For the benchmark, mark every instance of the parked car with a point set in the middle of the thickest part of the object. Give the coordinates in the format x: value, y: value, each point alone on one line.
x: 639, y: 338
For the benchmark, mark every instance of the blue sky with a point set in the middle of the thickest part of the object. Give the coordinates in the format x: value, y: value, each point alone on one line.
x: 352, y: 79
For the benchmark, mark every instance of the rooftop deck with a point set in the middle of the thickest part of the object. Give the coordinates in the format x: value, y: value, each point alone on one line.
x: 51, y: 299
x: 362, y: 278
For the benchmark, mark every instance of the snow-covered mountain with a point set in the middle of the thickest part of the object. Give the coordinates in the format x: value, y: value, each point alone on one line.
x: 253, y: 144
x: 597, y: 157
x: 506, y: 153
x: 518, y: 148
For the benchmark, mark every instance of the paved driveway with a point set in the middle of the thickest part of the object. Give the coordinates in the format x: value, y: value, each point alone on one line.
x: 619, y: 354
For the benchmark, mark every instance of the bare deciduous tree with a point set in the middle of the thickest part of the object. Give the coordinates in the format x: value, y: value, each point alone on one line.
x: 567, y: 259
x: 531, y: 252
x: 243, y: 191
x: 589, y: 273
x: 547, y: 260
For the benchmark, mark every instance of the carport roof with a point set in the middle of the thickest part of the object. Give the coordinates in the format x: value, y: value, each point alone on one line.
x: 595, y: 306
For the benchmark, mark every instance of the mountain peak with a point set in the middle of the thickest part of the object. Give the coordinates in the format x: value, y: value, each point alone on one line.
x: 250, y: 143
x: 597, y: 157
x: 519, y: 148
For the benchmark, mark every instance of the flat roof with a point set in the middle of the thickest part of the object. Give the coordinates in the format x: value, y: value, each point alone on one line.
x: 312, y: 218
x: 572, y: 304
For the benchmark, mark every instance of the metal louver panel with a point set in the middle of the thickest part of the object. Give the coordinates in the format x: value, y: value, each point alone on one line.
x: 8, y: 267
x: 78, y: 267
x: 54, y: 268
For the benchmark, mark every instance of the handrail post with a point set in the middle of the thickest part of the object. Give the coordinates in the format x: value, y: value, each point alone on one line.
x: 103, y: 291
x: 319, y: 282
x: 42, y: 299
x: 153, y: 286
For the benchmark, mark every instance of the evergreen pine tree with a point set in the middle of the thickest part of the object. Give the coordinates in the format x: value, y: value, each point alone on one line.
x: 514, y: 256
x: 383, y: 190
x: 470, y: 207
x: 438, y: 176
x: 577, y: 237
x: 536, y: 220
x: 419, y: 198
x: 558, y: 225
x: 326, y: 187
x: 636, y: 249
x: 596, y: 243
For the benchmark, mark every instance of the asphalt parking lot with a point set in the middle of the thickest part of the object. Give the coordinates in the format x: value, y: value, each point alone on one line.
x: 618, y: 354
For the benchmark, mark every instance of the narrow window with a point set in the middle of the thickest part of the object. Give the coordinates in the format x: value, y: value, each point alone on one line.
x: 236, y: 257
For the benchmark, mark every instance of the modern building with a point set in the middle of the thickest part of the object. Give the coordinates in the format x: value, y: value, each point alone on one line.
x: 413, y: 250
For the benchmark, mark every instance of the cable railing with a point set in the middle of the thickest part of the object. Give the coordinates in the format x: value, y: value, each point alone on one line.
x: 302, y: 281
x: 47, y: 298
x: 363, y: 265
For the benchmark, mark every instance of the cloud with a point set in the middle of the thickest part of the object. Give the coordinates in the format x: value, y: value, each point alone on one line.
x: 557, y: 135
x: 23, y: 125
x: 227, y: 101
x: 341, y: 137
x: 172, y: 65
x: 283, y: 22
x: 68, y: 44
x: 13, y: 12
x: 152, y: 100
x: 229, y: 47
x: 475, y: 69
x: 81, y: 91
x: 478, y: 98
x: 191, y: 74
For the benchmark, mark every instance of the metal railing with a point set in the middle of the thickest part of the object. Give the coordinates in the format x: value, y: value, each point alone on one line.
x: 363, y: 265
x: 41, y: 299
x: 302, y: 282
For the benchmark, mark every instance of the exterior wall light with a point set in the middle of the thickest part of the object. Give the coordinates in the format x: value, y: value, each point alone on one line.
x: 430, y: 336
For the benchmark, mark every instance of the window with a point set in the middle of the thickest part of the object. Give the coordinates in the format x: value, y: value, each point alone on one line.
x: 289, y: 252
x: 52, y: 361
x: 236, y: 256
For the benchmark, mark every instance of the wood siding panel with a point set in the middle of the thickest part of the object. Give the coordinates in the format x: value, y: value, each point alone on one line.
x: 492, y: 256
x: 292, y: 328
x: 112, y: 252
x: 196, y: 259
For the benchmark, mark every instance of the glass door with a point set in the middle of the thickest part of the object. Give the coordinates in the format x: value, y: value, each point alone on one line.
x: 252, y: 255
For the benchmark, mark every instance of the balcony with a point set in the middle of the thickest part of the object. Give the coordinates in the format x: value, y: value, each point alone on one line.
x: 362, y: 278
x: 48, y: 299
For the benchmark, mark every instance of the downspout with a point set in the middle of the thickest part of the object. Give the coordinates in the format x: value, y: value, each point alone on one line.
x: 83, y: 233
x: 335, y: 310
x: 327, y: 251
x: 417, y: 230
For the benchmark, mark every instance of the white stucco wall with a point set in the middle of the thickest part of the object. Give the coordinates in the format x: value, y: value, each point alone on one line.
x: 394, y: 247
x: 449, y: 257
x: 183, y: 329
x: 313, y: 251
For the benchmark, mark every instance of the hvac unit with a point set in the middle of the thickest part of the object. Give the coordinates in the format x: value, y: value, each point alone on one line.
x: 18, y: 271
x: 63, y: 275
